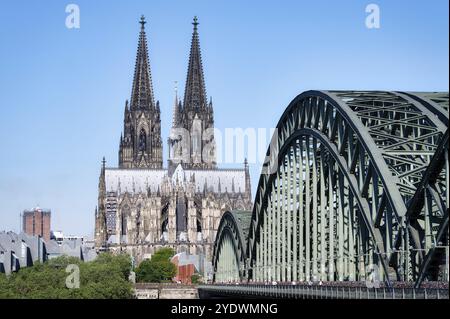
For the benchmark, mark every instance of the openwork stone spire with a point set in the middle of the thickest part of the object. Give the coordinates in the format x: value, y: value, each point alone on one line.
x: 195, y: 92
x: 196, y: 116
x: 142, y: 92
x: 140, y: 145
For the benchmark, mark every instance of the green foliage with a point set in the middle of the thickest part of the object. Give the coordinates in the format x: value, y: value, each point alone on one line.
x: 196, y: 278
x: 163, y: 254
x: 121, y: 263
x: 105, y: 277
x: 158, y: 269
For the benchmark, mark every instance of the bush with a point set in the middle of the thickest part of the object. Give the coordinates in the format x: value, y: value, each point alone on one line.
x: 196, y: 278
x: 158, y: 269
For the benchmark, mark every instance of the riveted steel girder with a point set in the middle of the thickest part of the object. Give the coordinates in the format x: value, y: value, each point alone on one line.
x: 229, y: 253
x: 352, y: 179
x: 386, y: 141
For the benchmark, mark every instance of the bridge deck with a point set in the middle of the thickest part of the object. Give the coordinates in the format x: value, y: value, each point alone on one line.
x: 318, y: 292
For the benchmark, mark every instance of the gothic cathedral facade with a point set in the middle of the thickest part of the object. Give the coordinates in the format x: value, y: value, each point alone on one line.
x: 143, y: 206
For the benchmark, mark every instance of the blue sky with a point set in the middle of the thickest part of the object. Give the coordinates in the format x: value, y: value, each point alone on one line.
x: 63, y: 90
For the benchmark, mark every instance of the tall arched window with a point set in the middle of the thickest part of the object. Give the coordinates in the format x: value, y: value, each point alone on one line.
x: 195, y: 143
x: 142, y: 140
x: 123, y: 224
x: 138, y: 221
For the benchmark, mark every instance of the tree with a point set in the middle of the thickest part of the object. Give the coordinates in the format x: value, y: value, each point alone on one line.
x: 196, y: 278
x: 105, y: 277
x: 163, y: 254
x: 121, y: 262
x: 157, y: 269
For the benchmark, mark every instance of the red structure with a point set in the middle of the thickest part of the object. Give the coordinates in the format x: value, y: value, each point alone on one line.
x: 36, y: 222
x: 184, y: 272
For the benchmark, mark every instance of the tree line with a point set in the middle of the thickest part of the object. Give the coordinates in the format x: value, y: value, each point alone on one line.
x: 106, y: 277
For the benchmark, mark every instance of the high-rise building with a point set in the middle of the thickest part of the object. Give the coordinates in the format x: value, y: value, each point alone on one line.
x: 36, y: 222
x: 143, y: 206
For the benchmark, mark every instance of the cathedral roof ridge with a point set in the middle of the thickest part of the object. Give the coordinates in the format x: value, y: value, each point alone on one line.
x: 215, y: 169
x: 166, y: 169
x: 135, y: 169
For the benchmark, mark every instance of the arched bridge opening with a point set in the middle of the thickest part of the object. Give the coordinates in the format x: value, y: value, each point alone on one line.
x: 354, y: 188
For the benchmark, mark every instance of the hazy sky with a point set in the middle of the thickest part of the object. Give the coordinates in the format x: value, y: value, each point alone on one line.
x: 63, y: 90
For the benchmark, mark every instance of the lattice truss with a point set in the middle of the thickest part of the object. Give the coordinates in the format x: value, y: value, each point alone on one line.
x: 229, y: 255
x: 355, y: 186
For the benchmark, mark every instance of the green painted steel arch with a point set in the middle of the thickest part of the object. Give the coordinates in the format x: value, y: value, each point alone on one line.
x: 374, y: 120
x: 233, y: 227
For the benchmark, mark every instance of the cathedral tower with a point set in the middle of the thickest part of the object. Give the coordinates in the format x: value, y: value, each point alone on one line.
x: 191, y: 141
x: 141, y: 144
x: 141, y: 210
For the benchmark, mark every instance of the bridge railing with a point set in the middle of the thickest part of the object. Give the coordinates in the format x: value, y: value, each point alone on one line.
x: 323, y: 292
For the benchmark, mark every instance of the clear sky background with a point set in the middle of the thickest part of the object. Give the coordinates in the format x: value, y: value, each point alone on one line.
x: 63, y: 90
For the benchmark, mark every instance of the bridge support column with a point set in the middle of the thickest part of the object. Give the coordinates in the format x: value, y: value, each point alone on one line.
x: 307, y: 216
x: 314, y: 213
x: 301, y: 215
x: 323, y: 222
x: 295, y: 212
x: 282, y: 185
x: 272, y: 240
x: 331, y: 194
x: 291, y: 212
x: 278, y: 232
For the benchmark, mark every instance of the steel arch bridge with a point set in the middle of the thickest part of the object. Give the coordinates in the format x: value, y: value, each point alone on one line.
x: 355, y: 183
x: 229, y: 254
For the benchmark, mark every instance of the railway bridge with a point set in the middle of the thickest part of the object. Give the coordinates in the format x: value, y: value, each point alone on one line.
x: 352, y: 201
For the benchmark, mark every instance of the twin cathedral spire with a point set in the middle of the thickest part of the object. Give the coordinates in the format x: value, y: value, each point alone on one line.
x: 191, y: 141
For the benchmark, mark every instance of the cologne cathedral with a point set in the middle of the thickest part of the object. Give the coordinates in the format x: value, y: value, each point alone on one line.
x: 143, y: 206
